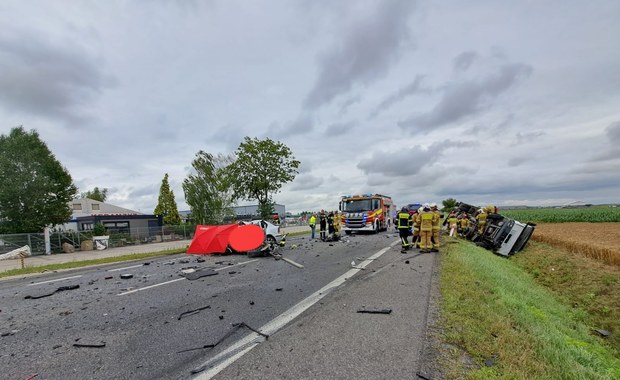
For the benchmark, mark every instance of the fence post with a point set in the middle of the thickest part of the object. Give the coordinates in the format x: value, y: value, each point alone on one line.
x: 30, y: 243
x: 48, y: 243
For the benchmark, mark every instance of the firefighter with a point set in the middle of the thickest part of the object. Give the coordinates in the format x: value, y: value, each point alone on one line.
x: 436, y: 227
x: 312, y: 224
x: 482, y: 221
x: 453, y: 223
x: 404, y: 222
x: 322, y: 225
x: 463, y: 223
x: 427, y: 219
x: 337, y: 220
x: 416, y: 227
x: 330, y: 223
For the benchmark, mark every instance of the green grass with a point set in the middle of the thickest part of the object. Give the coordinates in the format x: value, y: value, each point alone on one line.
x: 595, y: 214
x: 492, y: 308
x: 85, y: 263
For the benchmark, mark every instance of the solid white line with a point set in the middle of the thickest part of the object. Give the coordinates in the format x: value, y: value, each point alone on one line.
x: 251, y: 340
x: 118, y: 269
x: 180, y: 279
x: 58, y: 279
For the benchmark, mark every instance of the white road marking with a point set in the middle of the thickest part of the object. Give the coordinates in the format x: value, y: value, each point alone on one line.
x: 119, y: 269
x: 244, y: 345
x: 180, y: 279
x: 58, y: 279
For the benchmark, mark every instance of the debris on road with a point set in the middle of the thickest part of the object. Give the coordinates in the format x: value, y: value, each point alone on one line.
x: 188, y: 270
x: 374, y: 310
x: 293, y: 263
x: 192, y: 312
x: 60, y: 289
x: 126, y: 276
x: 603, y: 333
x: 200, y: 273
x: 89, y: 345
x: 184, y: 261
x: 236, y: 326
x: 108, y: 277
x: 423, y: 375
x: 147, y: 263
x: 279, y: 289
x: 200, y: 260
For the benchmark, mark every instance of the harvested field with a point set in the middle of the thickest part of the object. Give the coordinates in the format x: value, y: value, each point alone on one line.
x: 597, y: 240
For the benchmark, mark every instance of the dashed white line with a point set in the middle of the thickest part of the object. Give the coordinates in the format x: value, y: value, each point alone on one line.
x: 244, y: 345
x: 58, y: 279
x: 180, y: 279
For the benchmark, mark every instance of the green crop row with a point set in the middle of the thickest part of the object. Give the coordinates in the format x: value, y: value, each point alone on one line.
x: 595, y: 214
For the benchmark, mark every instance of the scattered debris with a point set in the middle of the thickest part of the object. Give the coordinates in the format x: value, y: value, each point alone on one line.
x: 221, y: 317
x: 12, y: 332
x: 374, y: 310
x: 200, y: 260
x: 147, y: 263
x: 192, y: 312
x: 170, y: 263
x: 490, y: 362
x: 56, y: 346
x: 90, y: 345
x: 126, y: 276
x: 603, y: 333
x: 184, y: 261
x: 200, y: 273
x: 108, y: 277
x: 232, y: 272
x: 279, y: 289
x: 292, y: 262
x: 60, y: 289
x: 236, y: 326
x: 423, y: 375
x: 251, y: 302
x: 188, y: 270
x: 32, y: 376
x: 406, y: 261
x: 198, y: 370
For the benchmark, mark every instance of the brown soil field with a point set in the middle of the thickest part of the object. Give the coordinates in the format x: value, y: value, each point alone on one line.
x: 597, y: 240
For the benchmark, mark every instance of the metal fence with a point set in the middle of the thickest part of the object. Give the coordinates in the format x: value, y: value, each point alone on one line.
x: 136, y: 236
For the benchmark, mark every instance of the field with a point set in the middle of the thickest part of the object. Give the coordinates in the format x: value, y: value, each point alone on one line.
x: 595, y: 214
x: 600, y: 241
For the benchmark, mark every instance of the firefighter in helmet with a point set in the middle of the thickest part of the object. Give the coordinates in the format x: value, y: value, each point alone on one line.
x: 427, y: 220
x: 404, y: 223
x: 436, y: 227
x: 322, y: 225
x: 482, y: 220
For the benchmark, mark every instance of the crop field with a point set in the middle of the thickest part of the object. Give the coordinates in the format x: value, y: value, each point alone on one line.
x: 595, y: 214
x: 600, y: 241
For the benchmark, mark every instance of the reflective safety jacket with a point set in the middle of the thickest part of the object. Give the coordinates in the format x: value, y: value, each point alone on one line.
x: 482, y: 218
x: 404, y: 220
x: 464, y: 222
x: 452, y: 221
x: 312, y: 220
x: 427, y: 219
x: 436, y: 222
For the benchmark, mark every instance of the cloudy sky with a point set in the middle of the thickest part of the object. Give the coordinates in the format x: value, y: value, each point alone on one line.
x: 483, y: 101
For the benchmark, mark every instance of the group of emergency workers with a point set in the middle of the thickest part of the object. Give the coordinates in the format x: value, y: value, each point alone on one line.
x: 424, y: 223
x: 329, y: 225
x: 459, y: 222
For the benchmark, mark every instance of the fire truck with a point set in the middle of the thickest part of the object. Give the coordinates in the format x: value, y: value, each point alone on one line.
x: 366, y: 212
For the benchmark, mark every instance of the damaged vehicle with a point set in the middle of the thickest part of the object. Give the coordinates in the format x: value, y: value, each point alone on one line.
x: 273, y: 233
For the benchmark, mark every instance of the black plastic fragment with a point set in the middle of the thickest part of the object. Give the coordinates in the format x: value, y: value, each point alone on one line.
x: 423, y: 375
x: 236, y: 326
x: 192, y: 312
x: 90, y: 345
x: 126, y: 276
x: 60, y: 289
x: 603, y: 333
x: 374, y: 310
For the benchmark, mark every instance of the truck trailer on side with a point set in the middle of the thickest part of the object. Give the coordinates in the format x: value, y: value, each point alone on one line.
x: 366, y: 212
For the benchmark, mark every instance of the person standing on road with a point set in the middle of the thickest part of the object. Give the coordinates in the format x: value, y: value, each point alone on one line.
x: 322, y: 225
x: 337, y: 220
x: 312, y: 224
x: 404, y: 222
x: 427, y: 220
x: 436, y: 227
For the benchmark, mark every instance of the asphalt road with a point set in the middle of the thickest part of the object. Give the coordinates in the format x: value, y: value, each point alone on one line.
x: 113, y: 328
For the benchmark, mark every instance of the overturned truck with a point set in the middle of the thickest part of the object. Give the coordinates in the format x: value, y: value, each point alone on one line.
x: 501, y: 235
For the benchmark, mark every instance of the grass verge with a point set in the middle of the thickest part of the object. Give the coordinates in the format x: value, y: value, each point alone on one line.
x: 513, y: 327
x: 85, y: 263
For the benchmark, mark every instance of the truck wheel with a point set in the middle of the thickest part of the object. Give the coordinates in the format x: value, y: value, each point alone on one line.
x: 376, y: 227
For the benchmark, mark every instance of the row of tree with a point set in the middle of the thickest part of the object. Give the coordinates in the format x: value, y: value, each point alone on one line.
x: 36, y: 189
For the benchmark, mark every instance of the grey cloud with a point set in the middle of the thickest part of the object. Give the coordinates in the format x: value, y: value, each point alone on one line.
x: 302, y: 125
x: 466, y: 98
x: 406, y: 162
x: 612, y: 133
x: 412, y: 88
x: 528, y: 137
x: 364, y: 54
x: 305, y: 182
x: 338, y: 129
x: 229, y: 135
x: 519, y: 161
x: 463, y: 61
x: 344, y: 107
x: 48, y: 78
x: 148, y: 190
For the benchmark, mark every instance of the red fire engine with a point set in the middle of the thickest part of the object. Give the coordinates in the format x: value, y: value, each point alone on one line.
x: 366, y: 212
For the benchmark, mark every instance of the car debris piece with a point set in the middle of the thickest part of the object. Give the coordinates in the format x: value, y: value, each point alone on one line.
x: 90, y: 345
x: 236, y: 326
x: 108, y: 277
x: 200, y: 273
x: 200, y: 260
x: 188, y: 270
x: 293, y: 263
x: 60, y: 289
x: 279, y: 289
x: 184, y: 261
x: 374, y: 310
x: 423, y: 375
x: 192, y: 312
x: 126, y: 276
x: 603, y: 333
x: 147, y: 263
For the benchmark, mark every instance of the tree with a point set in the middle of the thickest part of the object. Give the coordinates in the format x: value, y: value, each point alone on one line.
x: 207, y: 190
x: 166, y: 205
x: 260, y: 169
x: 449, y: 204
x: 35, y: 189
x: 96, y: 194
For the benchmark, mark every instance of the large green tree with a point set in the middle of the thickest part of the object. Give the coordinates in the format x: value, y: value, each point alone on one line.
x: 96, y: 194
x: 166, y: 205
x: 449, y: 204
x: 260, y: 169
x: 35, y: 189
x: 207, y: 189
